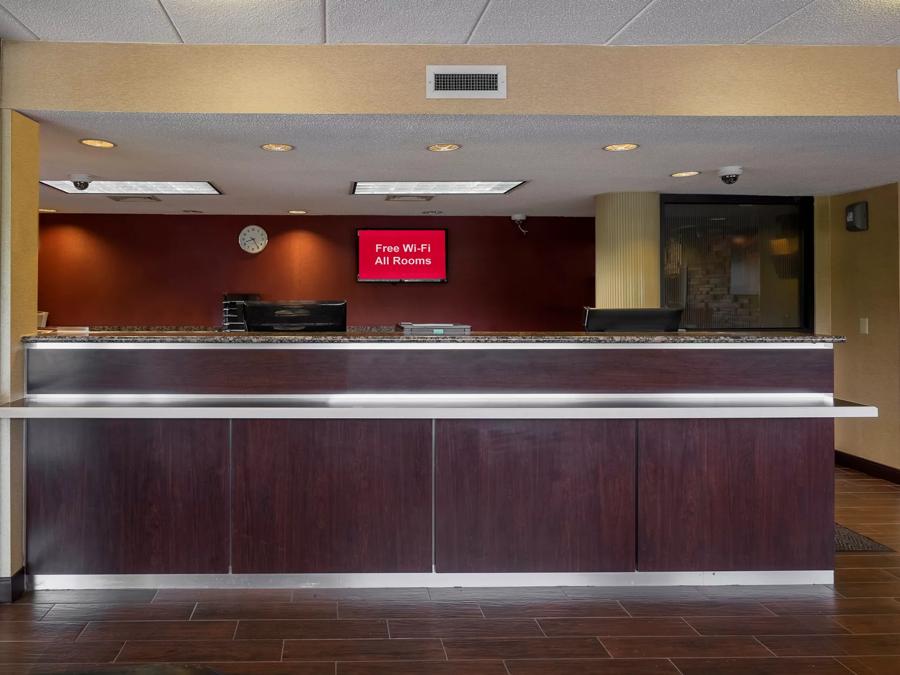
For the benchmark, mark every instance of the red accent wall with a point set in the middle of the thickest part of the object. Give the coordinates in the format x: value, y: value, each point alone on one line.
x: 171, y: 270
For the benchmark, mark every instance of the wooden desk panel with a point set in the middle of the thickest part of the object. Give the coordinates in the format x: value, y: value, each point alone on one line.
x: 534, y: 496
x: 735, y: 495
x: 329, y: 371
x: 127, y: 496
x: 331, y: 496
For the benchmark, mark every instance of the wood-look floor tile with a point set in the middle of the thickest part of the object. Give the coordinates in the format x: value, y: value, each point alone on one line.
x: 524, y: 648
x: 277, y: 668
x: 871, y: 665
x: 158, y: 630
x: 615, y: 626
x: 384, y: 594
x: 37, y: 631
x: 312, y: 629
x: 223, y: 595
x: 314, y: 609
x: 878, y: 589
x: 423, y: 668
x: 220, y: 668
x: 870, y: 623
x: 363, y: 650
x: 833, y: 645
x: 862, y: 574
x: 695, y: 608
x: 835, y: 606
x: 363, y: 609
x: 89, y: 596
x: 592, y: 667
x: 151, y: 612
x: 763, y: 666
x: 59, y: 652
x: 499, y: 609
x: 845, y: 560
x: 767, y: 593
x: 527, y: 593
x: 767, y: 625
x: 667, y: 593
x: 179, y: 651
x: 450, y: 628
x: 671, y: 647
x: 23, y: 611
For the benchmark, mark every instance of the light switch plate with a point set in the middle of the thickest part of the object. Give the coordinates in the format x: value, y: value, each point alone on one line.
x: 864, y: 326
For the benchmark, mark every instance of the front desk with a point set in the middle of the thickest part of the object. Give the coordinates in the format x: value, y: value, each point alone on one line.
x: 293, y: 460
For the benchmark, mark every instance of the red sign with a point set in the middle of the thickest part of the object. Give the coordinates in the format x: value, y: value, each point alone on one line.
x: 402, y: 255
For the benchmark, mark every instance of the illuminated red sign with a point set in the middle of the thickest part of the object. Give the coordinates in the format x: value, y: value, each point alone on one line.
x: 402, y: 255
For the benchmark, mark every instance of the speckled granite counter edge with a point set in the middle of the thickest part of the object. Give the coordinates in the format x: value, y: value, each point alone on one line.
x: 238, y: 338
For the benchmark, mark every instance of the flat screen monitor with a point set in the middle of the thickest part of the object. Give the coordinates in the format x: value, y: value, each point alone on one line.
x: 393, y: 256
x: 312, y: 316
x: 631, y: 320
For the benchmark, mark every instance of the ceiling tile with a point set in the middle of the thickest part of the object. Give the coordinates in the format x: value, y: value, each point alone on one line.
x: 554, y: 21
x: 838, y: 22
x: 686, y: 22
x: 270, y: 22
x: 12, y: 29
x: 94, y: 20
x: 402, y: 21
x: 560, y: 156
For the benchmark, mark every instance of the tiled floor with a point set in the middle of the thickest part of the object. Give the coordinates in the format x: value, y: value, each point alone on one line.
x: 851, y: 628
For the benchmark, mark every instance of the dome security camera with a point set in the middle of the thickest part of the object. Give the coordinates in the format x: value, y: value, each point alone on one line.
x: 519, y: 219
x: 730, y: 174
x: 81, y: 181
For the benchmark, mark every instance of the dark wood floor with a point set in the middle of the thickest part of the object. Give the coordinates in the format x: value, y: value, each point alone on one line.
x: 852, y: 627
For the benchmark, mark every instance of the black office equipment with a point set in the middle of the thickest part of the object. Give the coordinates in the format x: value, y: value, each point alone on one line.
x: 653, y: 320
x: 233, y: 311
x: 312, y: 316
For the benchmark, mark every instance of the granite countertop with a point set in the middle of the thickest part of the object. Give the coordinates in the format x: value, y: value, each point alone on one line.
x: 220, y: 337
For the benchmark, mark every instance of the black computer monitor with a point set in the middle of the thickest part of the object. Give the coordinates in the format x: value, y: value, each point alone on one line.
x: 322, y: 316
x: 631, y: 320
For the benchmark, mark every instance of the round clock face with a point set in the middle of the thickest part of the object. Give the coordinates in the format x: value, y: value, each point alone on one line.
x: 253, y: 239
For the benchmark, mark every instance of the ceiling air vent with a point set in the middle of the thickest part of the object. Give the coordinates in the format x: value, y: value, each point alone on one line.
x: 134, y: 198
x: 465, y: 81
x: 409, y: 198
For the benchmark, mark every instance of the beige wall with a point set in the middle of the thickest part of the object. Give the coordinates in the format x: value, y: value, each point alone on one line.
x: 542, y: 79
x: 822, y: 264
x: 865, y: 283
x: 626, y: 254
x: 18, y: 314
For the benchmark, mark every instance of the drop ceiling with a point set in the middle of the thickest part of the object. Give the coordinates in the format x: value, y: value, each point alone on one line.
x: 561, y: 157
x: 613, y: 22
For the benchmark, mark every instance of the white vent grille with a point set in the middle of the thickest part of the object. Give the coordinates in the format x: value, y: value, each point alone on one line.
x: 465, y: 81
x: 134, y: 198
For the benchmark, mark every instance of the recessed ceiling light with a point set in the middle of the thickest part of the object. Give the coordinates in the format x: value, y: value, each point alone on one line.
x: 46, y: 210
x: 444, y: 147
x: 135, y: 187
x: 277, y: 147
x: 448, y: 187
x: 97, y: 143
x: 684, y: 174
x: 621, y: 147
x: 297, y: 212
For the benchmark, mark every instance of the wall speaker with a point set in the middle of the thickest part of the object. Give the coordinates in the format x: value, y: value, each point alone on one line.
x: 856, y: 217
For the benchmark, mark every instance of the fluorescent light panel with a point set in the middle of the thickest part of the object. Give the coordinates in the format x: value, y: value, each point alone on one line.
x: 136, y: 187
x: 462, y: 187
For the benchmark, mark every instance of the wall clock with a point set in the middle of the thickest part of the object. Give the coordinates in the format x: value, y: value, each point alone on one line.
x: 253, y: 239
